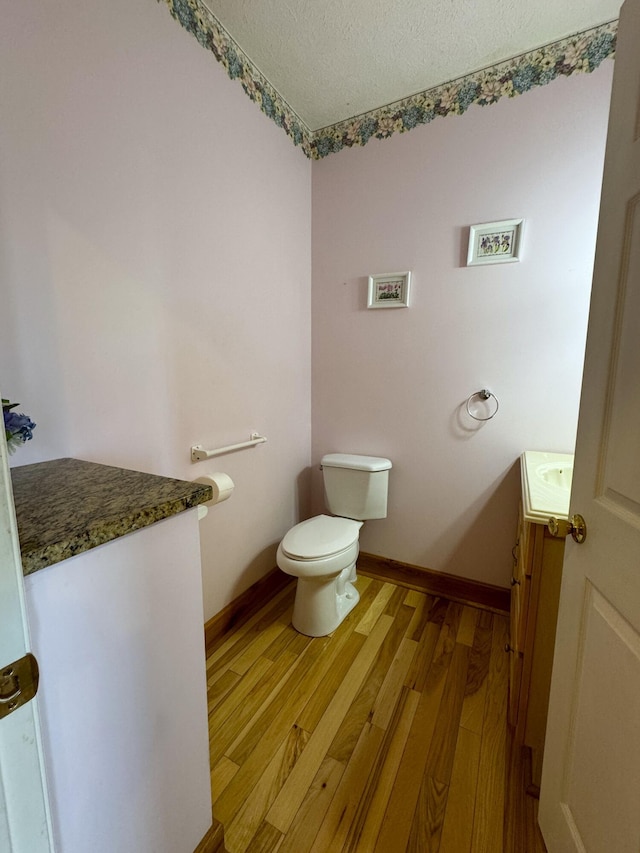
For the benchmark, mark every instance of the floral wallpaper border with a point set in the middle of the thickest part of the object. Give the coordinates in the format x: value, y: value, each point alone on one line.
x: 580, y: 53
x: 197, y: 19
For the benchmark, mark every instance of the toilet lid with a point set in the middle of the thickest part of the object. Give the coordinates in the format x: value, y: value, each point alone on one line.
x: 321, y: 536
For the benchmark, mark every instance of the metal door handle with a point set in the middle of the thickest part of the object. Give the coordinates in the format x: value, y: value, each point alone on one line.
x: 18, y: 684
x: 9, y: 698
x: 576, y: 526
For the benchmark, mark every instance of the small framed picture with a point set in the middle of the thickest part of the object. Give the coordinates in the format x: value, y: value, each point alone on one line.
x: 389, y: 291
x: 495, y: 242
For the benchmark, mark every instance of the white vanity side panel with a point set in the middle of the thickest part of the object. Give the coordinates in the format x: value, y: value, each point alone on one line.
x: 118, y: 633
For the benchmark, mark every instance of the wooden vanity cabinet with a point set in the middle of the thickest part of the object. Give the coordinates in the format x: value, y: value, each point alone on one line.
x: 535, y: 590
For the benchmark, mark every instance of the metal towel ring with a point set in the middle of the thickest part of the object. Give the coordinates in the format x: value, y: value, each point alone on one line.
x: 484, y: 394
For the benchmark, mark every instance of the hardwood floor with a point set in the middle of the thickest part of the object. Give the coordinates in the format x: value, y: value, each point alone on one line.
x: 388, y: 736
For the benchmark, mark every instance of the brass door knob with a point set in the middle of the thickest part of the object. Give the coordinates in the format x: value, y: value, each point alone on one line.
x: 576, y: 526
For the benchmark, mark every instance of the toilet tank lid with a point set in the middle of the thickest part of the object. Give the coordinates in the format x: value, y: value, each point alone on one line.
x: 358, y: 463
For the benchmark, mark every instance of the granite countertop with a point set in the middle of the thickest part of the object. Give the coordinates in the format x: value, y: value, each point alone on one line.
x: 68, y: 506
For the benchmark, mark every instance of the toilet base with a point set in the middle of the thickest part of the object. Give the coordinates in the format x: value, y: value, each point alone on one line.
x: 322, y: 603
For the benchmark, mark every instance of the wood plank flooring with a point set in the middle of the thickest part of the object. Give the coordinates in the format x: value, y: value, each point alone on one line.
x: 388, y: 736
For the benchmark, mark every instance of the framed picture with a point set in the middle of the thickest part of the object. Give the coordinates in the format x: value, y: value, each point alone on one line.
x: 389, y: 291
x: 495, y: 242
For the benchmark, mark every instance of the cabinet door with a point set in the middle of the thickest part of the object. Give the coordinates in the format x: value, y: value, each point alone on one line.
x: 520, y: 581
x: 128, y: 760
x: 520, y: 584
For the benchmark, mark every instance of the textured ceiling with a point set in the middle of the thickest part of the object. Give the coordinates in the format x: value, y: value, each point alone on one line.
x: 333, y: 59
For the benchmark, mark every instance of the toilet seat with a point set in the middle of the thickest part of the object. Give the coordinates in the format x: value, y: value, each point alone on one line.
x: 321, y: 567
x: 320, y: 537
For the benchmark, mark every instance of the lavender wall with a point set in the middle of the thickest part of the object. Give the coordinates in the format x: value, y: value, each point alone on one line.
x: 155, y: 252
x: 155, y: 266
x: 394, y: 382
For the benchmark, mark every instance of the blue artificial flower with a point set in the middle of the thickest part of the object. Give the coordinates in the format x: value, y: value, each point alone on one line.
x: 18, y: 428
x: 19, y: 425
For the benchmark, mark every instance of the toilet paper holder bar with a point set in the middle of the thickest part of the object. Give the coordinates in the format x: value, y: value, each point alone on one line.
x: 198, y: 453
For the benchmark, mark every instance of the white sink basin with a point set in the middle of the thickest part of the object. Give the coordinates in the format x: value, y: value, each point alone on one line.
x: 546, y: 485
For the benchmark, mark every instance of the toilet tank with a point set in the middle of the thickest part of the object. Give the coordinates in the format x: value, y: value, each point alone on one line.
x: 356, y: 486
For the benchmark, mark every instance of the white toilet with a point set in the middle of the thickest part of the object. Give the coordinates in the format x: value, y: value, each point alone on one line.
x: 322, y: 551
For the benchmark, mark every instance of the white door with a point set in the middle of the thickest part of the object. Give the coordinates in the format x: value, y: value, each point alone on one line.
x: 24, y: 815
x: 590, y: 792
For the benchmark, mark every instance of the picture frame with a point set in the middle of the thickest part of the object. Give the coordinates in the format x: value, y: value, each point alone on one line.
x: 495, y: 242
x: 390, y: 290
